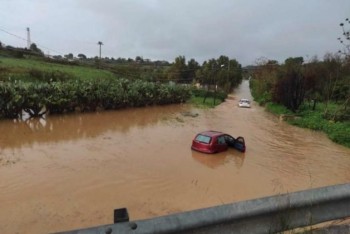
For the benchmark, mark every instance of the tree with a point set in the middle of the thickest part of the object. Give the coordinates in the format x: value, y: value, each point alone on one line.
x: 139, y: 59
x: 313, y: 84
x: 192, y: 68
x: 345, y: 39
x: 264, y: 79
x: 69, y: 56
x: 82, y: 56
x: 57, y: 57
x: 336, y: 85
x: 235, y: 73
x: 33, y: 47
x: 178, y: 70
x: 290, y: 88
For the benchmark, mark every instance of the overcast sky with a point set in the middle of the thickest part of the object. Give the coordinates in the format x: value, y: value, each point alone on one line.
x: 164, y: 29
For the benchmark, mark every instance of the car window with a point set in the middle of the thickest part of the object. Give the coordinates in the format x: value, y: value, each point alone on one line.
x: 203, y: 139
x: 229, y: 138
x: 241, y: 140
x: 221, y: 140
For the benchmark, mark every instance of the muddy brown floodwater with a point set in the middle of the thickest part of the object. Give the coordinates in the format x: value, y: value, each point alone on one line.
x: 72, y: 171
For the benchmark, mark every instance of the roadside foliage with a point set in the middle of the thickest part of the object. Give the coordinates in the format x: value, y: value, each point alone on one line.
x: 36, y: 85
x: 317, y: 93
x: 56, y: 97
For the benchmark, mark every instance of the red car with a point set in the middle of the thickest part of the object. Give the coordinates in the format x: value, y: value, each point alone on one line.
x: 214, y: 142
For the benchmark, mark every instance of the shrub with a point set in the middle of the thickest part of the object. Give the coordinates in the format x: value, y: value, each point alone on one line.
x: 60, y: 97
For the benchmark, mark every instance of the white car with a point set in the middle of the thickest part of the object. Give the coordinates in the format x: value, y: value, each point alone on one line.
x: 244, y: 103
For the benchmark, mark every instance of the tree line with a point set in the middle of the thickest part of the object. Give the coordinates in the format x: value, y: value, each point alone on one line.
x: 296, y: 83
x: 224, y: 73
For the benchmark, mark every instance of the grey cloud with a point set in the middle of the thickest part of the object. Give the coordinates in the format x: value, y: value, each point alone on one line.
x: 164, y: 29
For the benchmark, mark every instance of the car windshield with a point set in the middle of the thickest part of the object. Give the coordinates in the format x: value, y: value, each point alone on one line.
x: 203, y: 139
x: 244, y: 101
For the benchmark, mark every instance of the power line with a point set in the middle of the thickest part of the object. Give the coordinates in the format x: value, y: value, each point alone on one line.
x: 39, y: 45
x: 13, y: 34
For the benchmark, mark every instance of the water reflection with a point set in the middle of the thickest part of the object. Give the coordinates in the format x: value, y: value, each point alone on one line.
x: 77, y: 126
x: 216, y: 160
x: 35, y: 124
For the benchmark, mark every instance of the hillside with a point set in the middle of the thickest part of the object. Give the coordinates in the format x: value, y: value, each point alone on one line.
x: 38, y: 68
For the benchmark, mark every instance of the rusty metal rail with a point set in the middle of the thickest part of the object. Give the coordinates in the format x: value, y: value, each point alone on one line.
x: 264, y: 215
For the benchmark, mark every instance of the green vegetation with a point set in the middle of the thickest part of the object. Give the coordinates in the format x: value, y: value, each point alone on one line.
x: 277, y: 109
x: 38, y: 85
x: 338, y: 132
x: 204, y: 98
x: 84, y: 95
x: 40, y: 70
x: 33, y: 83
x: 318, y: 93
x: 209, y: 102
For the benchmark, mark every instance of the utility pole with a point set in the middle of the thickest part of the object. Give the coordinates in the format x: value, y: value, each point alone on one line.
x: 228, y: 70
x: 28, y: 38
x: 214, y: 78
x: 100, y: 44
x: 99, y: 61
x: 216, y: 86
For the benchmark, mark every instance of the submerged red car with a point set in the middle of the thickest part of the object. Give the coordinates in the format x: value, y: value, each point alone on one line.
x: 214, y: 142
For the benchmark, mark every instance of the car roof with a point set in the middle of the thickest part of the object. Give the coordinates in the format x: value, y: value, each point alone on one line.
x: 211, y: 133
x: 244, y: 99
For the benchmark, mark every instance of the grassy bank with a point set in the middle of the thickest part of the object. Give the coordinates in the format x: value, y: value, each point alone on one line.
x: 34, y: 69
x: 338, y: 132
x: 209, y: 102
x: 204, y: 99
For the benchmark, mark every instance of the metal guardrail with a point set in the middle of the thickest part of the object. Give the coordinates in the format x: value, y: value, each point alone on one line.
x: 264, y: 215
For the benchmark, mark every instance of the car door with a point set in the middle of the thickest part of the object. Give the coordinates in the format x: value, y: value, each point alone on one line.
x: 240, y: 144
x: 221, y: 144
x: 230, y: 140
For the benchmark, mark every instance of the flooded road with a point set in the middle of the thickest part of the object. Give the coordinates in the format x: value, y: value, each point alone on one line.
x: 72, y: 171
